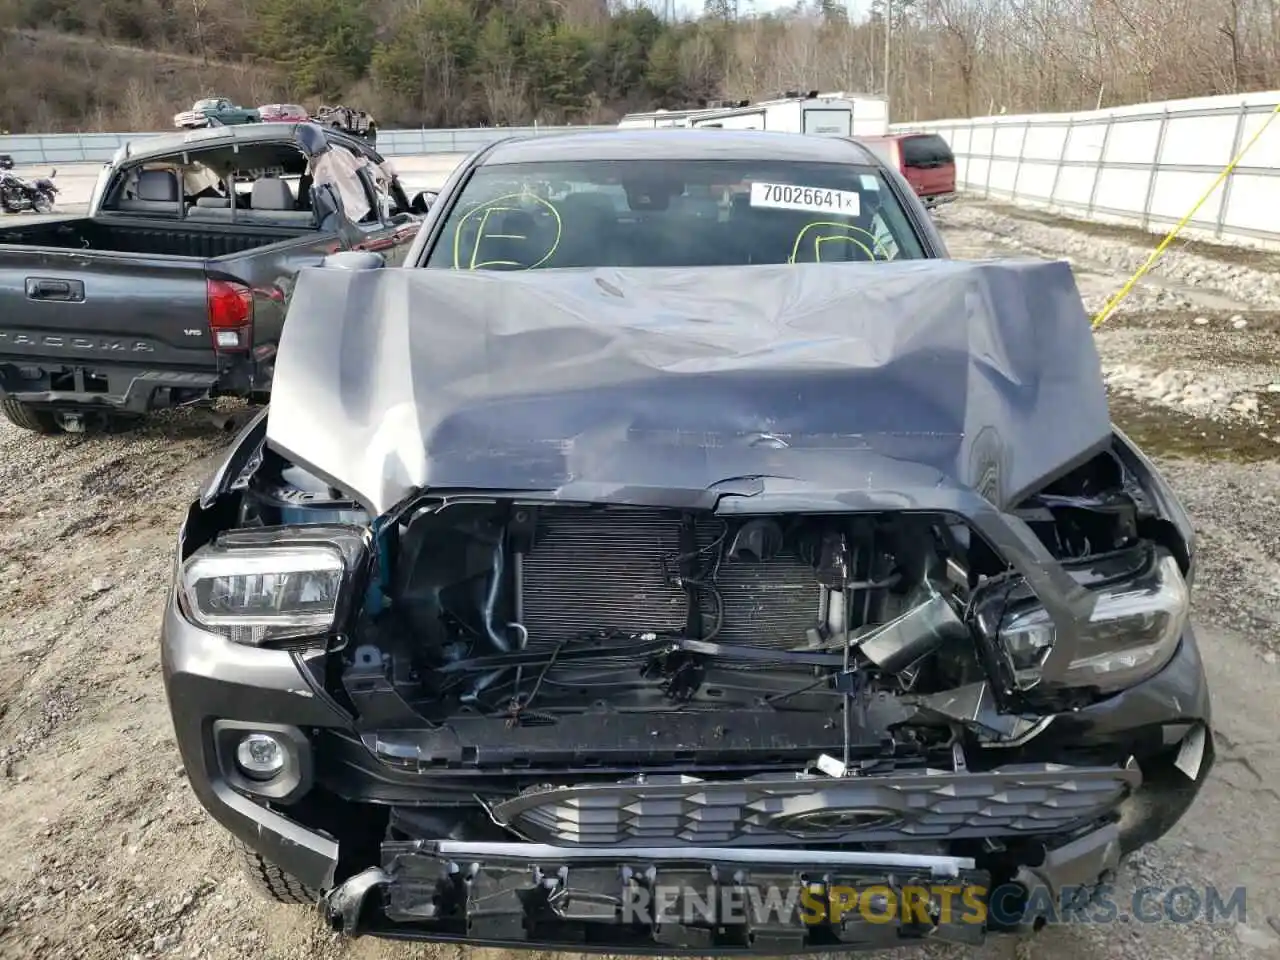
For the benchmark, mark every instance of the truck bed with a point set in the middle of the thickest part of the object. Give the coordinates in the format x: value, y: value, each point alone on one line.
x: 116, y: 312
x: 147, y: 237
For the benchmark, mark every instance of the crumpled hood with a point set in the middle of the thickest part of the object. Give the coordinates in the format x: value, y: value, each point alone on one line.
x: 632, y: 383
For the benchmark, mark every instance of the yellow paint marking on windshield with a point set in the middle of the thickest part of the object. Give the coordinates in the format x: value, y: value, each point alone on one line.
x: 819, y: 241
x: 829, y: 225
x: 480, y: 234
x: 487, y: 209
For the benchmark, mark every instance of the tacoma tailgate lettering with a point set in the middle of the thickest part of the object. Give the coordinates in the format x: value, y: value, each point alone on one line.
x: 57, y: 342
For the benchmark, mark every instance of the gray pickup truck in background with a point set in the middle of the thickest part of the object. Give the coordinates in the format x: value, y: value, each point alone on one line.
x: 173, y: 289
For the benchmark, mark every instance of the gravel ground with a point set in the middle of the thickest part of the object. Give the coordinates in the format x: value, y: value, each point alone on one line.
x: 107, y: 855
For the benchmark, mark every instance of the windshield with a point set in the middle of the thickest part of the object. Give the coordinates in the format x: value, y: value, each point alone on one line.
x: 668, y: 213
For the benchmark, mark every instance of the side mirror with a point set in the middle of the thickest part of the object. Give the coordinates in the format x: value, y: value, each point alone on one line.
x: 423, y: 200
x: 354, y: 260
x: 53, y: 173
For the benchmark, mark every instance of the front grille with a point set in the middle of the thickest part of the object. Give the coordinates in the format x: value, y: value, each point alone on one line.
x: 612, y: 571
x: 1031, y: 799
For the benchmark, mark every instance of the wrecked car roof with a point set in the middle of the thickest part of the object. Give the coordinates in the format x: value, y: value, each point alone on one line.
x: 866, y: 385
x: 165, y: 145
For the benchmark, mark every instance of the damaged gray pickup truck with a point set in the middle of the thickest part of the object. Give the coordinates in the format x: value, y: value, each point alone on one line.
x: 679, y: 550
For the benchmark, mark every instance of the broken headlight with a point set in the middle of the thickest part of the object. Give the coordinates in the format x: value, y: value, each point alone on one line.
x: 268, y: 584
x: 1135, y: 628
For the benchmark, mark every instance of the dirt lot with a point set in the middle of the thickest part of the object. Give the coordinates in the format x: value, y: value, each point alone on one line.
x: 106, y: 854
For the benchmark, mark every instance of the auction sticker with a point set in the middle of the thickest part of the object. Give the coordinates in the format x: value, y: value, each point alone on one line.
x: 785, y: 196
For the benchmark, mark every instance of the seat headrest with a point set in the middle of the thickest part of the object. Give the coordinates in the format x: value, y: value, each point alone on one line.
x: 518, y: 224
x: 272, y: 193
x: 158, y: 186
x: 591, y: 208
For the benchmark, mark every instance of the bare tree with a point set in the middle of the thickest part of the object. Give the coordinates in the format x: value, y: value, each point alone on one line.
x: 505, y: 93
x: 948, y: 58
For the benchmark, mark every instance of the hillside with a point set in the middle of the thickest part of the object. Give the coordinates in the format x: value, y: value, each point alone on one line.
x: 55, y: 83
x: 130, y: 64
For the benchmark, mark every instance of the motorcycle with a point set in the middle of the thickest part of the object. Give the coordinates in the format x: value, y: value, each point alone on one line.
x: 18, y: 194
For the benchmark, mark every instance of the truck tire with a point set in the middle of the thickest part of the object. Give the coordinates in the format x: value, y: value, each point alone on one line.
x: 28, y: 417
x: 272, y: 883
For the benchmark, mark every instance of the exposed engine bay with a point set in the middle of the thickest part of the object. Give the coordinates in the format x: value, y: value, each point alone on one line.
x: 538, y: 611
x: 550, y: 609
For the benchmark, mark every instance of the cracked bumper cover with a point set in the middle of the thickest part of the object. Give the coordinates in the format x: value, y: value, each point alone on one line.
x: 601, y: 898
x: 525, y: 894
x: 208, y: 679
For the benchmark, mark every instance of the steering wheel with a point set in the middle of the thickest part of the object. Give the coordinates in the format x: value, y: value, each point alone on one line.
x: 479, y: 219
x: 827, y: 231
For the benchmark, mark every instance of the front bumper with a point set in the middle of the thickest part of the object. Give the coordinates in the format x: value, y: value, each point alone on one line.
x: 691, y: 900
x: 667, y: 900
x: 209, y: 680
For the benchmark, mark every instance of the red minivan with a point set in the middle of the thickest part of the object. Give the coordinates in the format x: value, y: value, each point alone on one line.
x: 924, y: 159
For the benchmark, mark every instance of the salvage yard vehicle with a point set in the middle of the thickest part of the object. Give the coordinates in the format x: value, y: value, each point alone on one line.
x: 813, y: 112
x: 172, y: 290
x: 925, y: 159
x: 677, y: 524
x: 20, y: 194
x: 358, y: 123
x: 215, y: 110
x: 283, y: 113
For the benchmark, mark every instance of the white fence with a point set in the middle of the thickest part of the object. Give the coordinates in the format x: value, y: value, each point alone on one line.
x: 1144, y: 165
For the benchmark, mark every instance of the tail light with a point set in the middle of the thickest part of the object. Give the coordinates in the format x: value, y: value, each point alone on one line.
x: 230, y: 315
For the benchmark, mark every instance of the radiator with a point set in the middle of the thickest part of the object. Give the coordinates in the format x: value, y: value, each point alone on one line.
x: 608, y: 570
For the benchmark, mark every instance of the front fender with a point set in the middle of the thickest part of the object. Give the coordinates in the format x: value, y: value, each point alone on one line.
x: 1160, y: 494
x: 246, y: 444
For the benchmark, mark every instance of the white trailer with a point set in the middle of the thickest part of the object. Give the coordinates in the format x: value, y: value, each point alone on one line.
x: 657, y: 119
x: 827, y: 114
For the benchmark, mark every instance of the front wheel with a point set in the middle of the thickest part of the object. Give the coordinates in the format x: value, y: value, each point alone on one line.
x: 272, y: 883
x: 42, y: 203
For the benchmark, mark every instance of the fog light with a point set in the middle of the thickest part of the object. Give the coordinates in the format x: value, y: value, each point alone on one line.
x: 260, y: 755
